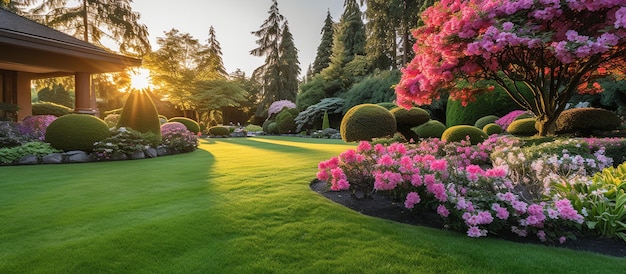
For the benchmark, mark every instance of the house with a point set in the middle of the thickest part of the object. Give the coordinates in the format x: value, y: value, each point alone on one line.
x: 29, y: 51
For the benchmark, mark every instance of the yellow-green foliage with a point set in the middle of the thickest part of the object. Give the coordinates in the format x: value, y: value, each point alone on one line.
x: 48, y: 108
x: 219, y: 131
x: 140, y: 114
x: 430, y: 129
x: 367, y: 121
x: 410, y: 118
x: 191, y: 125
x: 585, y: 120
x: 492, y: 128
x: 76, y: 132
x: 461, y: 132
x: 483, y: 121
x: 523, y: 127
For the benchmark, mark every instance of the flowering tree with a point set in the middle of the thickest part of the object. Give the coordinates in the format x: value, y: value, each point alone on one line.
x: 556, y: 48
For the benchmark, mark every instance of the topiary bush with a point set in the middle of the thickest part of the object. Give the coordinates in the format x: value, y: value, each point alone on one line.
x: 191, y: 125
x: 407, y: 119
x: 585, y: 120
x: 367, y: 121
x: 285, y: 120
x: 47, y: 108
x: 219, y: 131
x: 483, y: 121
x: 272, y: 128
x: 76, y: 132
x: 462, y: 132
x: 140, y: 113
x: 523, y: 127
x: 430, y: 129
x: 492, y: 128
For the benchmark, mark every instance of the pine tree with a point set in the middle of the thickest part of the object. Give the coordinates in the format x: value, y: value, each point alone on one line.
x: 325, y: 49
x: 214, y: 62
x: 272, y: 73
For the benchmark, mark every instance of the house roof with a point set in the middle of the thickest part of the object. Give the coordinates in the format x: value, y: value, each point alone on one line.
x: 28, y: 46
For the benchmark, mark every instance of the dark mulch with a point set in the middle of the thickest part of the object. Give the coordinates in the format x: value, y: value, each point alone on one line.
x: 383, y: 207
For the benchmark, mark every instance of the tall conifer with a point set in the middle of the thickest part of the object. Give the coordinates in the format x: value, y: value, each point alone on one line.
x: 325, y: 49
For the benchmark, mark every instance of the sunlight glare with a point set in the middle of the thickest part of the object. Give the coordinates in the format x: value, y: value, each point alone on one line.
x: 140, y: 79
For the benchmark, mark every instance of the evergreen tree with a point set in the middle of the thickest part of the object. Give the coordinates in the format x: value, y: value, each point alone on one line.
x: 93, y: 20
x: 16, y: 6
x: 273, y: 75
x: 214, y: 62
x: 289, y: 66
x: 325, y: 49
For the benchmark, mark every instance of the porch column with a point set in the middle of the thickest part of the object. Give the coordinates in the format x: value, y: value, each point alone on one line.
x: 83, y: 100
x: 23, y: 95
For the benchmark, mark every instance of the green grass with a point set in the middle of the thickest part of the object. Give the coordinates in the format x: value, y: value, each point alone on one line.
x: 233, y: 206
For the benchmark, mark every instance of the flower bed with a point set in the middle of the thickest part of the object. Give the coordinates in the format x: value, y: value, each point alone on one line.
x: 492, y: 187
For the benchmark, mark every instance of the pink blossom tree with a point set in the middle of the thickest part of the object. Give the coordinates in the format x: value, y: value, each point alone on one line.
x: 554, y: 47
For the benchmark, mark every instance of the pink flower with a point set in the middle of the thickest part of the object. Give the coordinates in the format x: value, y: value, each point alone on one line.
x: 385, y: 160
x: 438, y: 190
x: 363, y: 147
x: 439, y: 165
x: 562, y: 239
x: 322, y: 175
x: 541, y: 235
x: 443, y: 211
x: 411, y: 200
x: 475, y: 232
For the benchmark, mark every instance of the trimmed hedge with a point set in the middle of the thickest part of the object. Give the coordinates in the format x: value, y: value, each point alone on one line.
x: 140, y: 114
x: 409, y: 118
x: 47, y: 108
x: 523, y: 127
x: 461, y: 132
x: 492, y: 128
x: 430, y: 129
x: 191, y: 125
x: 483, y: 121
x: 219, y: 131
x: 367, y: 121
x: 76, y: 132
x: 585, y: 120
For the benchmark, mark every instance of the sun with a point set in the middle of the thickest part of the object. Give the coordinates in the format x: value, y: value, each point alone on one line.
x: 140, y: 79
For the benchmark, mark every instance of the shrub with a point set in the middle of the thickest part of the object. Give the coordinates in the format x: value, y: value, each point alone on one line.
x: 586, y: 120
x: 375, y: 88
x: 219, y: 131
x: 76, y: 132
x: 124, y: 141
x: 523, y: 127
x: 253, y: 128
x: 47, y: 108
x: 507, y: 119
x: 388, y: 105
x: 266, y: 124
x: 35, y: 126
x: 430, y: 129
x: 278, y: 106
x: 272, y: 128
x: 464, y: 132
x: 312, y: 116
x: 191, y: 125
x: 10, y: 135
x: 367, y: 121
x: 111, y: 120
x: 329, y: 133
x: 325, y: 121
x: 285, y: 121
x: 140, y: 114
x: 55, y: 94
x: 492, y: 128
x: 177, y: 138
x: 407, y: 119
x: 11, y: 155
x: 483, y: 121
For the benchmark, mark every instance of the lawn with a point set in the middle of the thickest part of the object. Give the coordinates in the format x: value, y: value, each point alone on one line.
x: 232, y: 206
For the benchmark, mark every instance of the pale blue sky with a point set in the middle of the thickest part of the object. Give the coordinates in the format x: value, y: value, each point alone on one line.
x: 234, y: 20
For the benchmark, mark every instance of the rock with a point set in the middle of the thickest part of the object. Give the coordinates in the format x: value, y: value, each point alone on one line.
x: 162, y: 151
x: 76, y: 156
x: 118, y: 157
x: 54, y: 158
x: 138, y: 155
x: 238, y: 134
x: 151, y: 153
x: 28, y: 160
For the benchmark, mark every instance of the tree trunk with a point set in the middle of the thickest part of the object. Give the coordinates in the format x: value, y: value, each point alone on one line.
x: 545, y: 125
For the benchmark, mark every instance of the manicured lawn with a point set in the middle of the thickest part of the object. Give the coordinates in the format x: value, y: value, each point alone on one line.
x: 233, y: 206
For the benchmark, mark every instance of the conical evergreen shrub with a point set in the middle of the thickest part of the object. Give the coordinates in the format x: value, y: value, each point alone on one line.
x: 140, y: 114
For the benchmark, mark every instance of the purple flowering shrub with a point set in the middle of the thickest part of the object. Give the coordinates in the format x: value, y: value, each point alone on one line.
x: 176, y: 137
x: 35, y: 126
x: 278, y: 106
x: 457, y: 181
x: 507, y: 119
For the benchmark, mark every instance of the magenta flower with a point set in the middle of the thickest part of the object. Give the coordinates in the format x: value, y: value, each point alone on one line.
x: 411, y: 200
x: 443, y: 211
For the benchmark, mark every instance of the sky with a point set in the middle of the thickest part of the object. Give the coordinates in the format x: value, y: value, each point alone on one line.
x: 234, y: 20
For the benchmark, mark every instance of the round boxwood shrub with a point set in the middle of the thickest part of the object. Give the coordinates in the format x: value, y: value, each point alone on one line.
x: 585, y: 120
x: 523, y: 127
x: 409, y: 118
x: 483, y: 121
x: 430, y: 129
x: 460, y: 133
x: 492, y: 128
x: 285, y: 120
x: 76, y: 132
x: 47, y: 108
x: 367, y: 121
x: 191, y: 125
x: 140, y: 113
x: 219, y: 131
x: 272, y: 128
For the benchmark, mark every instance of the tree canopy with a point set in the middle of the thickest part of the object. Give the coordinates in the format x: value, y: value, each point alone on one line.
x: 555, y: 48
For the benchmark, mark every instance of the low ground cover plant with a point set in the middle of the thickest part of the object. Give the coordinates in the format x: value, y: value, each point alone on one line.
x: 495, y: 187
